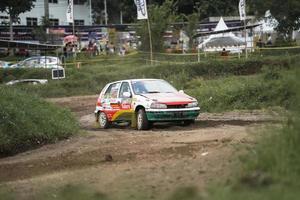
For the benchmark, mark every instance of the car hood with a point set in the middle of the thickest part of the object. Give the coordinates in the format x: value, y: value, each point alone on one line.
x: 170, y: 98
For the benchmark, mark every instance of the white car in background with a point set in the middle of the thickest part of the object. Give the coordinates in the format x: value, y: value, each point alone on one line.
x: 49, y: 62
x: 27, y: 81
x: 4, y: 64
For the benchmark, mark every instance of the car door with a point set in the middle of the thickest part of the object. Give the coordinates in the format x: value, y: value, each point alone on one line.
x: 125, y: 98
x: 110, y: 102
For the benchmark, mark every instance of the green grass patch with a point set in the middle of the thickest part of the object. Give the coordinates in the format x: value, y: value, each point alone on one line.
x: 26, y: 122
x: 72, y: 192
x: 91, y: 77
x: 218, y: 85
x: 242, y: 92
x: 270, y: 170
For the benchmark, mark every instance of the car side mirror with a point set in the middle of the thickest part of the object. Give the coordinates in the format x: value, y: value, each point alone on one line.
x: 181, y: 91
x: 126, y: 94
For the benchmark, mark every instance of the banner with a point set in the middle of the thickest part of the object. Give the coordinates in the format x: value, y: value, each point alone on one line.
x: 242, y: 9
x: 141, y: 6
x: 70, y: 14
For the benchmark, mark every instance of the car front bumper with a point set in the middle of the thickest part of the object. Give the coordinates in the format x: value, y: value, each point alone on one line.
x: 172, y: 114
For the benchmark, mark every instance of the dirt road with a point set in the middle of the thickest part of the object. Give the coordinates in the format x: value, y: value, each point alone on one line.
x: 124, y: 163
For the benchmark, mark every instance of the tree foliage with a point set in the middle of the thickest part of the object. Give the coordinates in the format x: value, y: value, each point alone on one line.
x: 191, y: 27
x: 113, y: 9
x: 206, y: 9
x: 15, y: 7
x: 160, y: 18
x: 286, y: 12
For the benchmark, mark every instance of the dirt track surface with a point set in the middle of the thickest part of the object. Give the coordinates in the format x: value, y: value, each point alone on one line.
x: 124, y: 163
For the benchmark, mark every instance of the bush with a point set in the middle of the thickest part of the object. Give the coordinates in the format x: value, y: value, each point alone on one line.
x: 28, y: 122
x: 271, y: 168
x: 242, y: 92
x: 278, y: 153
x: 23, y: 73
x: 91, y: 78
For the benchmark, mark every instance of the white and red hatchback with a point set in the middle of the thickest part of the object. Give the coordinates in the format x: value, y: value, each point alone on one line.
x: 143, y: 102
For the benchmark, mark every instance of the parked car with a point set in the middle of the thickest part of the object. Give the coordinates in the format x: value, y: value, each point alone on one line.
x: 4, y: 64
x: 144, y: 101
x: 27, y: 81
x: 39, y: 62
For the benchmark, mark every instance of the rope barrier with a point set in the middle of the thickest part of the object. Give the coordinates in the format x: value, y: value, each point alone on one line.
x: 129, y: 57
x: 173, y: 54
x: 278, y: 48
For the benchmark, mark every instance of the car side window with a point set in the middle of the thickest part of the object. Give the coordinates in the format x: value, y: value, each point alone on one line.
x: 112, y: 91
x: 124, y: 88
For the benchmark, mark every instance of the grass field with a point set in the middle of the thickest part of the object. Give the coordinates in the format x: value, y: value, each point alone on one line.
x: 28, y: 122
x: 252, y: 84
x: 269, y: 170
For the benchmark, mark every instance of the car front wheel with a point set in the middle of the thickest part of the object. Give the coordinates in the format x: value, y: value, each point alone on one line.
x: 142, y: 121
x: 103, y: 120
x: 188, y: 122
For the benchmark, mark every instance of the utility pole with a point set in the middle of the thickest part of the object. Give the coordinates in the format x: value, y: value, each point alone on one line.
x: 46, y: 8
x: 105, y: 12
x: 121, y: 17
x: 91, y: 17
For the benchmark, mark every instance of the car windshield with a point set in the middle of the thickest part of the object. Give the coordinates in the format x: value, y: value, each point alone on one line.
x: 152, y: 86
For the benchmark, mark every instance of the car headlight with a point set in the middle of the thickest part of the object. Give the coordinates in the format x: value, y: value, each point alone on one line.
x: 192, y: 105
x: 158, y: 106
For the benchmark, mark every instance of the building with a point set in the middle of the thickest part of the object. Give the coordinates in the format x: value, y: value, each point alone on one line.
x: 57, y: 13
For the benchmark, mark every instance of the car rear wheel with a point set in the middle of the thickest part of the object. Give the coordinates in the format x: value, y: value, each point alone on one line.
x: 142, y: 121
x: 103, y: 120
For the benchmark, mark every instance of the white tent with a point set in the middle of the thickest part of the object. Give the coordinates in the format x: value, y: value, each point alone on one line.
x: 216, y: 42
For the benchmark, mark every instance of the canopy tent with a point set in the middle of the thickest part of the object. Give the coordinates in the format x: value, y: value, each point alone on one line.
x: 70, y: 39
x: 220, y: 39
x: 238, y: 28
x: 225, y: 41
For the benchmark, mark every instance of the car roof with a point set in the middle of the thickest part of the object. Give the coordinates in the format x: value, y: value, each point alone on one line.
x: 40, y: 57
x: 129, y: 80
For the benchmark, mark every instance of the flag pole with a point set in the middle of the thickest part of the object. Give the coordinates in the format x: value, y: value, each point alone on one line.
x: 150, y: 41
x: 73, y: 18
x: 245, y: 30
x: 142, y: 13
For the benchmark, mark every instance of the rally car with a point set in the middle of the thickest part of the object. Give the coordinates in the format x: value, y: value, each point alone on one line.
x: 143, y: 102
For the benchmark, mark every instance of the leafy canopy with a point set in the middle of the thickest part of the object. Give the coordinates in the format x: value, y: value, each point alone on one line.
x: 15, y: 7
x: 160, y: 18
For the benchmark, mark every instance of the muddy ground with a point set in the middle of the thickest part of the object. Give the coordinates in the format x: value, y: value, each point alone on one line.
x: 127, y: 164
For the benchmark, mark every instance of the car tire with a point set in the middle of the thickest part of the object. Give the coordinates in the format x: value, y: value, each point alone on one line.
x: 103, y: 120
x: 188, y: 122
x: 142, y: 122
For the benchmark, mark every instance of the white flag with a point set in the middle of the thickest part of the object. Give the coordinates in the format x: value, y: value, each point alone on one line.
x: 70, y: 14
x: 242, y: 9
x: 141, y: 6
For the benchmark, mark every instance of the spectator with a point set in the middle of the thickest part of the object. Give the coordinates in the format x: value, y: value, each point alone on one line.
x: 224, y: 52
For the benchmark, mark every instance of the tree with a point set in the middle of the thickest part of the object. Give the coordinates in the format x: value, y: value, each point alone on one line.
x: 14, y: 8
x: 191, y: 27
x: 160, y: 18
x: 286, y: 12
x: 208, y: 8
